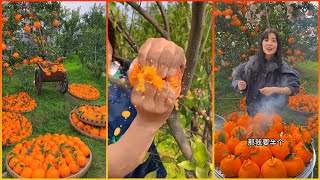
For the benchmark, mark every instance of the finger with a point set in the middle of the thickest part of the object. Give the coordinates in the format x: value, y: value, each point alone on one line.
x: 171, y: 98
x: 178, y: 62
x: 154, y: 53
x: 150, y: 91
x: 161, y: 95
x: 136, y: 96
x: 135, y: 61
x: 143, y: 51
x: 166, y: 58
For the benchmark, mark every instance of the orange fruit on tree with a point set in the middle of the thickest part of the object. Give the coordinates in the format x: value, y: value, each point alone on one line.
x: 15, y: 55
x: 249, y: 169
x: 243, y: 150
x: 243, y: 28
x: 294, y: 165
x: 304, y: 150
x: 18, y: 17
x: 55, y: 23
x: 232, y: 143
x: 273, y: 168
x: 220, y: 151
x: 291, y: 40
x: 37, y: 24
x: 4, y: 19
x: 260, y: 154
x: 220, y: 52
x: 221, y: 136
x: 230, y: 166
x: 27, y: 29
x: 4, y: 47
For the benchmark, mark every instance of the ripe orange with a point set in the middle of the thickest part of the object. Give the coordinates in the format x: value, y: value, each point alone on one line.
x: 37, y: 24
x: 243, y: 149
x: 294, y: 165
x: 18, y: 17
x: 15, y: 55
x: 303, y: 150
x: 273, y: 168
x: 249, y: 169
x: 27, y: 29
x: 232, y: 143
x: 220, y: 151
x: 260, y: 154
x: 230, y: 166
x: 55, y: 23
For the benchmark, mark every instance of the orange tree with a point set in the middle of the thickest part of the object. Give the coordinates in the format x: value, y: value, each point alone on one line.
x: 29, y: 30
x: 238, y: 28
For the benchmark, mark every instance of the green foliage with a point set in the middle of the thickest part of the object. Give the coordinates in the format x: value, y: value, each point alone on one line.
x: 290, y: 20
x: 92, y: 40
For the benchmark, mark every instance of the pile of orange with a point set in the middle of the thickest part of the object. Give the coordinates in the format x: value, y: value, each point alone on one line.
x: 19, y: 103
x: 15, y: 127
x: 304, y: 102
x: 93, y: 130
x: 96, y: 113
x: 149, y: 74
x: 237, y: 158
x: 242, y: 103
x: 312, y: 125
x: 84, y: 91
x: 49, y: 156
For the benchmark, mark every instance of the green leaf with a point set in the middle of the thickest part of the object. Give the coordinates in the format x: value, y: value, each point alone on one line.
x: 167, y: 159
x: 200, y: 154
x: 222, y: 138
x: 188, y: 165
x: 181, y: 158
x: 152, y: 174
x: 202, y: 172
x: 289, y: 156
x: 224, y: 153
x: 307, y: 146
x: 146, y: 157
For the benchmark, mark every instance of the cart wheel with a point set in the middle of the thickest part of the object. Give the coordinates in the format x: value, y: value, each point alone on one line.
x: 64, y: 85
x: 38, y: 81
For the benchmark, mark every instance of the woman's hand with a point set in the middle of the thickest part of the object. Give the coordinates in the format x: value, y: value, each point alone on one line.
x: 153, y: 106
x: 242, y: 85
x: 164, y: 55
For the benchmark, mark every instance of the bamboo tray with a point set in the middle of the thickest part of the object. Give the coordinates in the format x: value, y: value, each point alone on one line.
x: 21, y: 112
x: 100, y: 123
x: 83, y: 132
x: 81, y: 172
x: 84, y: 98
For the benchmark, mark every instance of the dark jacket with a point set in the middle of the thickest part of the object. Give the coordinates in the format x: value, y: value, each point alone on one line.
x: 269, y: 76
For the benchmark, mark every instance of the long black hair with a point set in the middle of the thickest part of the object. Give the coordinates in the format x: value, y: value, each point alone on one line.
x: 278, y: 55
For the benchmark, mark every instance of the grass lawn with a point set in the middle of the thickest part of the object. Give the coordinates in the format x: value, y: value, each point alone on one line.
x: 52, y: 112
x: 226, y: 100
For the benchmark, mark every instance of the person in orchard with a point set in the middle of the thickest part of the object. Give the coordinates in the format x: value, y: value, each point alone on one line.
x: 266, y: 79
x: 135, y: 116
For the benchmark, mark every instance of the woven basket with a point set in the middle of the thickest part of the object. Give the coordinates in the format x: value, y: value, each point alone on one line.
x: 81, y: 172
x: 83, y: 132
x: 21, y: 112
x: 100, y: 123
x: 83, y: 98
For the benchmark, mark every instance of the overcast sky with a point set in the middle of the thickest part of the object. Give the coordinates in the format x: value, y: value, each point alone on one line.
x: 85, y: 6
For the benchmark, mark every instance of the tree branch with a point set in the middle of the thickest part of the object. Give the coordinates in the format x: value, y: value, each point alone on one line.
x: 125, y: 33
x: 135, y: 6
x: 165, y: 18
x: 192, y: 58
x: 117, y: 82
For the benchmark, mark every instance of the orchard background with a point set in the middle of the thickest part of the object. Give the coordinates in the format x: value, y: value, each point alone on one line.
x: 238, y: 28
x: 172, y: 20
x: 57, y: 34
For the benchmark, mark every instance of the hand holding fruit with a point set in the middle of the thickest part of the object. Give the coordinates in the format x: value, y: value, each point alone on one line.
x: 242, y: 85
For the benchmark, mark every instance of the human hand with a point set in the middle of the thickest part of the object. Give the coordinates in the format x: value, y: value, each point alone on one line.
x: 267, y: 91
x: 242, y: 85
x: 153, y: 106
x: 164, y: 55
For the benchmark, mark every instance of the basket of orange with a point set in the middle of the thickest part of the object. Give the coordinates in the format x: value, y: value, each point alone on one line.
x: 91, y: 131
x: 233, y: 115
x: 19, y: 103
x: 84, y: 91
x: 312, y: 124
x: 92, y: 114
x: 263, y: 147
x: 49, y: 156
x: 305, y: 104
x: 15, y: 128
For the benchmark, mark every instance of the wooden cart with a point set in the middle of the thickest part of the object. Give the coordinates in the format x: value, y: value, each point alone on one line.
x: 58, y: 76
